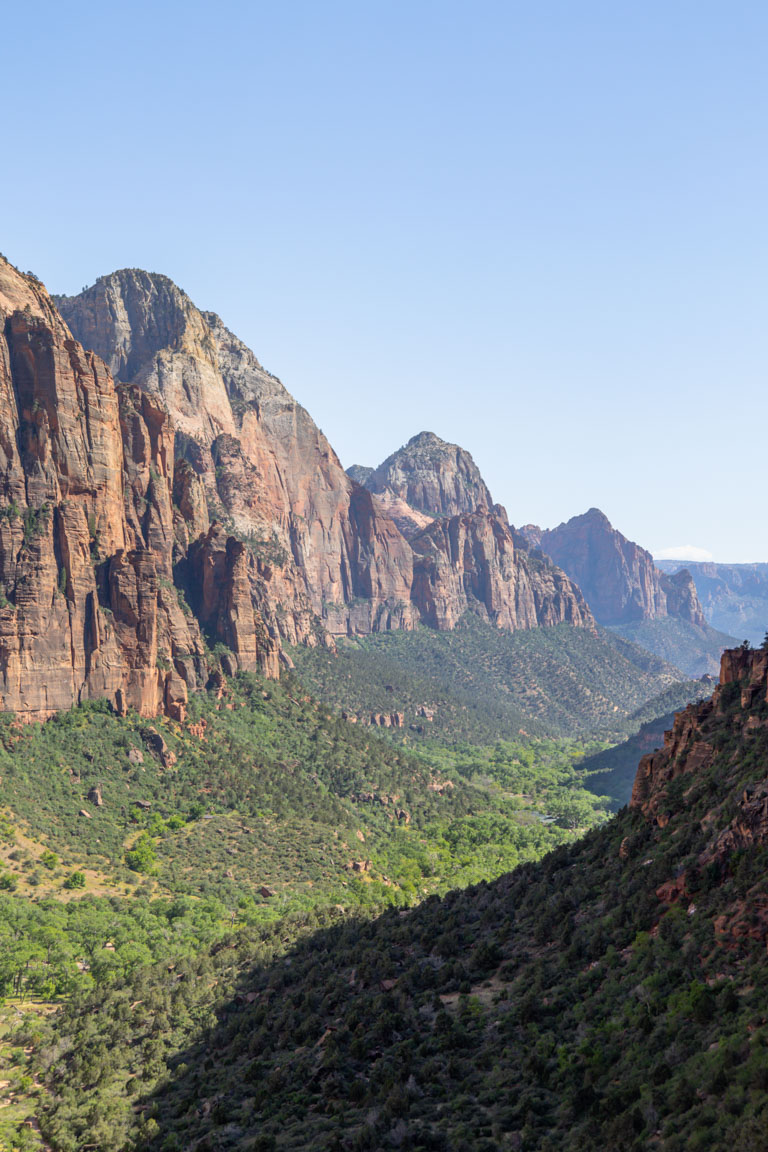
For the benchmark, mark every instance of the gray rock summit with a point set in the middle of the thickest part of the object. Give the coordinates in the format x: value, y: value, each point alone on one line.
x: 433, y: 476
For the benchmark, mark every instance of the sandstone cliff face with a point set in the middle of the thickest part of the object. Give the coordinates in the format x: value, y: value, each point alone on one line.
x: 318, y: 546
x: 432, y: 476
x: 691, y: 745
x: 80, y: 614
x: 88, y: 530
x: 470, y: 562
x: 190, y: 490
x: 618, y: 578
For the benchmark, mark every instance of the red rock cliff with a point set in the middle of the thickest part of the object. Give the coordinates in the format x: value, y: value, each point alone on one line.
x: 87, y: 602
x: 317, y: 547
x: 431, y: 476
x: 618, y: 578
x: 691, y: 745
x: 471, y: 562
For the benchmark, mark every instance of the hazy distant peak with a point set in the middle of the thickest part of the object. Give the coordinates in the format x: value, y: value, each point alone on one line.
x: 428, y: 439
x: 359, y: 473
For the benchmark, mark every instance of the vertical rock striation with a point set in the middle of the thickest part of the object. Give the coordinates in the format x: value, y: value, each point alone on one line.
x: 470, y: 562
x: 316, y: 548
x: 88, y: 606
x: 618, y: 578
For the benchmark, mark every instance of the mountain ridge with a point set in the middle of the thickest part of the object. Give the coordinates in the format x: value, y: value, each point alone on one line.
x: 618, y: 578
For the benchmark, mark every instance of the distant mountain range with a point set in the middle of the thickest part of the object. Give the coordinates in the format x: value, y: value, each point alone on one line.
x: 623, y: 587
x: 734, y: 596
x: 164, y: 495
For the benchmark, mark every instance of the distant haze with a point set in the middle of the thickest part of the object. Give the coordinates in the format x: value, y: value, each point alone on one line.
x: 538, y: 230
x: 683, y: 552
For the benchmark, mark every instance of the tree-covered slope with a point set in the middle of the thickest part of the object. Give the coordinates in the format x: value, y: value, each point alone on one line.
x: 614, y: 995
x: 693, y: 648
x: 479, y: 683
x: 262, y: 788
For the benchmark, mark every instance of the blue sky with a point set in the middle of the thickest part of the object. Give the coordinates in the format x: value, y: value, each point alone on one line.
x: 537, y: 229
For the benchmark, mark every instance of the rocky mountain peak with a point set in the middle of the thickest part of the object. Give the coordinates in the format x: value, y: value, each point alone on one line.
x: 618, y: 578
x: 432, y: 476
x: 594, y: 517
x: 469, y: 562
x: 425, y: 440
x: 127, y: 317
x: 359, y: 473
x: 155, y: 479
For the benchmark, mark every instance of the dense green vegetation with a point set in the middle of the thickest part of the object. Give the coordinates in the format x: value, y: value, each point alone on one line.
x: 567, y: 1005
x: 479, y: 683
x: 147, y: 866
x: 696, y: 650
x: 127, y: 844
x: 266, y: 788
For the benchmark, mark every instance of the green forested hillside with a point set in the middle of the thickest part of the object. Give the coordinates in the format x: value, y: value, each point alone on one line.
x: 612, y: 770
x: 479, y: 683
x: 266, y: 788
x: 614, y: 995
x: 693, y: 649
x: 127, y: 843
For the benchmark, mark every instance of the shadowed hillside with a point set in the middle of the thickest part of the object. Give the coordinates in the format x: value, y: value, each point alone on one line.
x: 610, y: 996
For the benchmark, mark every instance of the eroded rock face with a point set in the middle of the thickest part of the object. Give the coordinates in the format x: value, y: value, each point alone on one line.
x: 432, y: 476
x: 319, y: 554
x: 690, y: 746
x: 470, y: 562
x: 321, y: 550
x: 85, y: 525
x: 618, y: 578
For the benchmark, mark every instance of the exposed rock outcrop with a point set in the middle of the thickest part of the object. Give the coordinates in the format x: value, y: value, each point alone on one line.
x: 321, y: 547
x: 88, y: 530
x: 359, y: 473
x: 734, y: 597
x: 432, y: 476
x: 691, y: 745
x: 618, y: 578
x: 315, y: 544
x: 470, y: 562
x: 82, y: 513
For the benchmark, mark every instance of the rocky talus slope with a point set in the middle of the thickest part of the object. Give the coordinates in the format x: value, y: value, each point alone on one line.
x: 618, y: 578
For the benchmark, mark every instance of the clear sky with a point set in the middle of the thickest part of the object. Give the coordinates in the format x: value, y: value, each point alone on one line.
x: 537, y: 229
